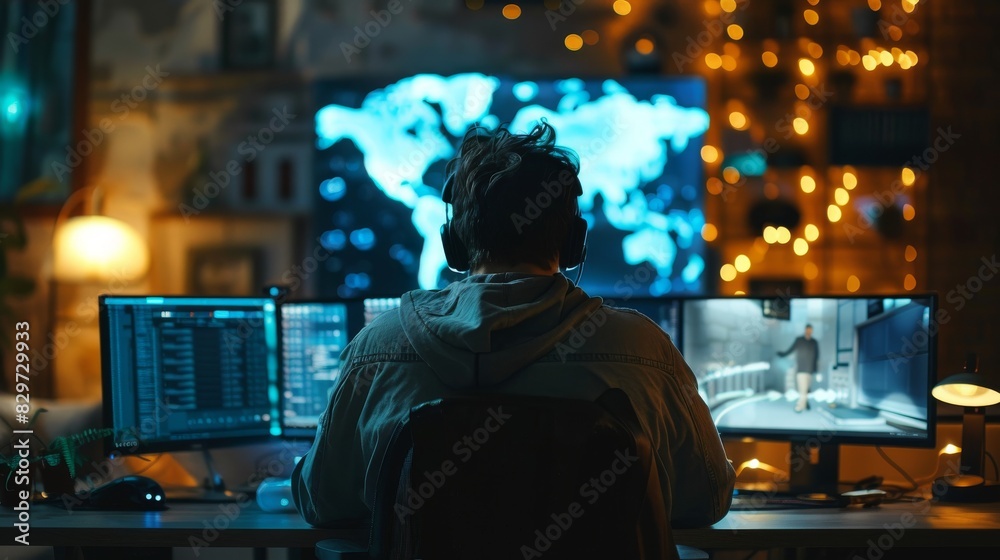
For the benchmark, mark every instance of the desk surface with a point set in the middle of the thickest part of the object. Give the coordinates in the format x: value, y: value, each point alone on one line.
x: 917, y: 524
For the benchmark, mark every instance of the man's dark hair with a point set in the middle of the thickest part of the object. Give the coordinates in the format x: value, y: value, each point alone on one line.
x: 513, y: 195
x: 808, y: 326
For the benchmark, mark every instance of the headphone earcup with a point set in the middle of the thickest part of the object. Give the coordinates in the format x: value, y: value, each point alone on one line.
x: 454, y: 250
x: 575, y: 250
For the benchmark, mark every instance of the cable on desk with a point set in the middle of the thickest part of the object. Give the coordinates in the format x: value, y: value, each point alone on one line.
x: 899, y: 469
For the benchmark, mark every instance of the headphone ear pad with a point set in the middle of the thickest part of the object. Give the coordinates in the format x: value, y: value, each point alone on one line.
x: 575, y: 250
x: 454, y: 250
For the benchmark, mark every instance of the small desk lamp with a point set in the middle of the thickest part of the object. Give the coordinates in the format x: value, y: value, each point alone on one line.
x: 973, y: 391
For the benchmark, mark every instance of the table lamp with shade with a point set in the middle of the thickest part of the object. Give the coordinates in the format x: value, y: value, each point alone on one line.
x: 973, y: 391
x: 96, y: 248
x: 92, y: 249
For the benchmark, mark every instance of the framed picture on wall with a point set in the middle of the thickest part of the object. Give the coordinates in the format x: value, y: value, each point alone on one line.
x: 249, y: 32
x: 225, y: 271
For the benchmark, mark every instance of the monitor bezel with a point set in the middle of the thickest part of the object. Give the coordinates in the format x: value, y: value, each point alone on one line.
x: 107, y: 406
x: 826, y: 438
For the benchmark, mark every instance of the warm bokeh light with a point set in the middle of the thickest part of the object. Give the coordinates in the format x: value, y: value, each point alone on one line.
x: 853, y: 283
x: 843, y: 56
x: 800, y: 125
x: 727, y: 272
x: 738, y: 120
x: 728, y: 63
x: 622, y: 8
x: 731, y: 175
x: 714, y: 185
x: 841, y: 196
x: 875, y: 5
x: 802, y: 91
x: 644, y: 46
x: 811, y: 232
x: 98, y: 249
x: 869, y: 62
x: 709, y: 154
x: 800, y: 246
x: 895, y: 33
x: 735, y: 32
x: 732, y: 49
x: 760, y: 245
x: 910, y: 254
x: 833, y: 213
x: 815, y: 50
x: 909, y: 5
x: 908, y: 176
x: 771, y: 191
x: 709, y: 232
x: 909, y: 282
x: 909, y: 212
x: 512, y: 11
x: 573, y: 42
x: 590, y: 37
x: 770, y: 234
x: 769, y: 59
x: 810, y: 271
x: 742, y: 263
x: 784, y: 236
x: 850, y: 180
x: 807, y: 183
x: 811, y: 17
x: 713, y: 61
x: 806, y: 66
x: 854, y: 57
x: 712, y: 8
x: 728, y: 5
x: 885, y: 57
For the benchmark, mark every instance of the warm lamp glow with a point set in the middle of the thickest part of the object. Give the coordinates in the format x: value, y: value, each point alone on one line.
x: 950, y: 449
x: 968, y: 389
x: 97, y: 248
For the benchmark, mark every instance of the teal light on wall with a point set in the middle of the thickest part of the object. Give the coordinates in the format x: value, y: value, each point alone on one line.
x: 13, y: 107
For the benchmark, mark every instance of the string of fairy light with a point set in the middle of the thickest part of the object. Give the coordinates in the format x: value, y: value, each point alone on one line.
x: 809, y: 61
x: 806, y: 56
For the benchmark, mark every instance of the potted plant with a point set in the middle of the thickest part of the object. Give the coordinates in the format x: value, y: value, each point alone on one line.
x: 57, y: 462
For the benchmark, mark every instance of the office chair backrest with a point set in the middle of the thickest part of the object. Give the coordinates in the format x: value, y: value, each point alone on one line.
x: 503, y: 476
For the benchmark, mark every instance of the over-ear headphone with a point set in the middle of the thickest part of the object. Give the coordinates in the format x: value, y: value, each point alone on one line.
x: 571, y: 255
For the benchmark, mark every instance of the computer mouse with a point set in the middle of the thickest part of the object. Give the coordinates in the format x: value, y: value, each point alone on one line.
x: 130, y: 492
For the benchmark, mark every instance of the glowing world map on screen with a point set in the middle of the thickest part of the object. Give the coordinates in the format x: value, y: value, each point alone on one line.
x: 408, y: 129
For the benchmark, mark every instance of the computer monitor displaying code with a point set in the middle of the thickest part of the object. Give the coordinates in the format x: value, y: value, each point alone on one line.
x: 313, y: 336
x: 183, y: 373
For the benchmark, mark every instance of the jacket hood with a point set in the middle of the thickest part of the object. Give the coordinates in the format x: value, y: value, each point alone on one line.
x: 482, y: 329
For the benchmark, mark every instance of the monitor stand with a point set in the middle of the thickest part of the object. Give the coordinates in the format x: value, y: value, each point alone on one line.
x: 813, y: 471
x: 212, y: 490
x: 814, y: 468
